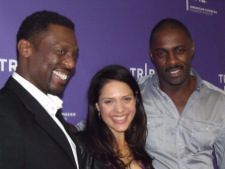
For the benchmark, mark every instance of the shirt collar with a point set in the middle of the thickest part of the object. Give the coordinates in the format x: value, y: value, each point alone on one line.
x: 51, y: 103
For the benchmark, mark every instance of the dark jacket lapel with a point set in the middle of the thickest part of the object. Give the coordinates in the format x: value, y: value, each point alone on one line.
x: 41, y: 116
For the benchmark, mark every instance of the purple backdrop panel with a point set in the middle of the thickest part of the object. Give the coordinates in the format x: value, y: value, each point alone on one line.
x: 118, y: 32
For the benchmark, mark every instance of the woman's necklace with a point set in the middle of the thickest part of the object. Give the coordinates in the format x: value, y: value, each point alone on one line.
x: 130, y: 162
x: 126, y: 156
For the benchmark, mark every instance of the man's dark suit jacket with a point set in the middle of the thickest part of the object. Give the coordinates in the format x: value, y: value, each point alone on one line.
x: 29, y: 138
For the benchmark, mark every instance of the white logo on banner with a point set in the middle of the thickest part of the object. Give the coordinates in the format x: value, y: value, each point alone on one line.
x: 140, y: 72
x: 7, y: 65
x: 199, y: 6
x: 68, y: 115
x: 222, y: 79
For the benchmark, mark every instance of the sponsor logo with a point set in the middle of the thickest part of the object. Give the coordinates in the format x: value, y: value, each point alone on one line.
x: 68, y: 115
x: 201, y: 7
x: 141, y: 71
x: 7, y: 65
x: 222, y: 80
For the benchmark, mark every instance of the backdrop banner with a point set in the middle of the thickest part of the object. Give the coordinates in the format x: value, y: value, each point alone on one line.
x: 117, y: 32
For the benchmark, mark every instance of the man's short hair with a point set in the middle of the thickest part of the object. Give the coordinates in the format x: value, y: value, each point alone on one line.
x: 168, y: 23
x: 38, y: 22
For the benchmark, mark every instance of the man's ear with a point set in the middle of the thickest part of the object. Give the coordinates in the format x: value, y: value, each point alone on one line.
x: 150, y: 56
x: 192, y: 49
x: 24, y: 48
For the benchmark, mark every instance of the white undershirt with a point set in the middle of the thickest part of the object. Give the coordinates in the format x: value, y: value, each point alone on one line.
x: 50, y: 103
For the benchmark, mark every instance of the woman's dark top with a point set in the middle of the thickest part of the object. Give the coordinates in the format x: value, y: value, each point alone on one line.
x: 88, y: 158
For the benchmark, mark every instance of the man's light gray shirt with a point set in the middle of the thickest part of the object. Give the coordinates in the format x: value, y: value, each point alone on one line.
x: 187, y: 140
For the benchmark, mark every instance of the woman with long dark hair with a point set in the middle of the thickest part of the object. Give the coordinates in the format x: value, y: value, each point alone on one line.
x: 115, y: 132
